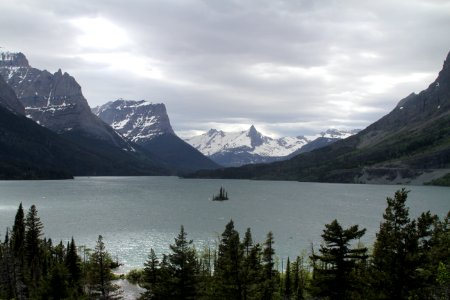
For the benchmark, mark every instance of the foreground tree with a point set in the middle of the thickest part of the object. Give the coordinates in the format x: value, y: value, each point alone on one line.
x: 228, y: 266
x: 100, y: 274
x: 183, y: 268
x: 337, y: 262
x: 395, y: 249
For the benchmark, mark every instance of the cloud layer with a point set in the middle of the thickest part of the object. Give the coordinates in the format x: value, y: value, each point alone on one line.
x: 289, y: 67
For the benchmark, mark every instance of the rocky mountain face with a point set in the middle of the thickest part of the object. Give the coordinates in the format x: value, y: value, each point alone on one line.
x: 138, y: 121
x: 148, y: 125
x: 233, y: 149
x: 54, y: 101
x: 30, y: 151
x: 410, y: 145
x: 9, y: 100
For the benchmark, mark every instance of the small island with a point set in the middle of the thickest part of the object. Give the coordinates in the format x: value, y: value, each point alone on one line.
x: 223, y: 195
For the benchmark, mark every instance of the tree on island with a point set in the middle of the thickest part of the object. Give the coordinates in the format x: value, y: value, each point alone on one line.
x: 223, y: 195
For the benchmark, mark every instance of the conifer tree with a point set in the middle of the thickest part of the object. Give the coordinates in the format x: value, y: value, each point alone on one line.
x: 268, y: 259
x: 287, y: 281
x: 73, y: 265
x: 228, y: 266
x: 151, y: 277
x: 18, y: 233
x: 183, y: 268
x: 337, y: 261
x: 395, y: 249
x: 33, y: 233
x: 100, y: 273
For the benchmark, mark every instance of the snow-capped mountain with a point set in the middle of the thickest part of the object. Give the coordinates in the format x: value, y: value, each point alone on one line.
x: 250, y: 141
x: 148, y: 125
x: 250, y: 146
x: 54, y: 101
x: 334, y: 134
x: 138, y: 121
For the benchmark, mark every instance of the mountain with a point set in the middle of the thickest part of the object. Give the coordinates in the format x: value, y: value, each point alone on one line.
x: 323, y: 139
x: 54, y: 101
x: 30, y: 151
x: 232, y: 149
x: 148, y: 125
x: 411, y: 145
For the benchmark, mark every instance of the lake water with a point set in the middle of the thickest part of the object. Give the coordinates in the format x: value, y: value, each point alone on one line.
x: 134, y: 214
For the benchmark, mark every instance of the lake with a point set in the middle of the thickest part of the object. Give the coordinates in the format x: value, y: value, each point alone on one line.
x: 134, y: 214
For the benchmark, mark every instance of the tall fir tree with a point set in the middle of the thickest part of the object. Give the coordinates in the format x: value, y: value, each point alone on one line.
x: 269, y: 273
x: 100, y: 274
x: 183, y: 268
x: 73, y: 265
x: 228, y: 266
x: 33, y: 233
x: 395, y: 249
x: 337, y: 261
x: 287, y: 281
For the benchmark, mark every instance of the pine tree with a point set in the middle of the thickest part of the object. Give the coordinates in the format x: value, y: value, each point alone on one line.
x: 151, y: 276
x: 100, y: 273
x: 33, y: 233
x: 73, y: 265
x: 183, y: 268
x: 287, y: 281
x: 337, y: 261
x: 268, y: 267
x: 395, y: 250
x: 228, y: 266
x: 18, y: 233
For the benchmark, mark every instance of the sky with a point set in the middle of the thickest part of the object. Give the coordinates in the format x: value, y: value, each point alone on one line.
x: 293, y: 67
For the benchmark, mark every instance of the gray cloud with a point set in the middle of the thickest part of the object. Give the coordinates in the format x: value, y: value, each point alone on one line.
x: 289, y: 67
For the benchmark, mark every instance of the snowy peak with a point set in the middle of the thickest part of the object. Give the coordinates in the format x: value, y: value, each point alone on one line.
x: 137, y: 121
x: 250, y: 141
x: 338, y: 134
x: 54, y: 101
x: 251, y: 146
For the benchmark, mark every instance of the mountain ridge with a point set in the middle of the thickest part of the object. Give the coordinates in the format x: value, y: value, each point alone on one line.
x: 250, y: 146
x: 148, y: 125
x: 409, y: 145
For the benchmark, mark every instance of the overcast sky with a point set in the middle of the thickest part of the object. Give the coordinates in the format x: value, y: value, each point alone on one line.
x: 289, y: 67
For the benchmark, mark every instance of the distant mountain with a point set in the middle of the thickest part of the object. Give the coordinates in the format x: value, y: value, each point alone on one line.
x: 409, y: 145
x: 148, y: 125
x: 30, y: 151
x: 55, y: 101
x: 232, y: 149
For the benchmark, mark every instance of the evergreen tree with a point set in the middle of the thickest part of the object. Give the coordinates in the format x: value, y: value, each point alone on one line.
x: 228, y: 266
x: 247, y: 275
x: 73, y: 265
x: 100, y: 273
x: 18, y: 233
x: 395, y: 250
x: 287, y: 281
x: 183, y: 268
x: 269, y: 274
x: 151, y: 271
x: 33, y: 233
x: 337, y: 261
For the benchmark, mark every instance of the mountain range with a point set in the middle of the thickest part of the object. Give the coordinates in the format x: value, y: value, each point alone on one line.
x: 411, y: 145
x: 31, y: 151
x: 232, y: 149
x: 56, y: 103
x: 47, y: 130
x: 148, y: 125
